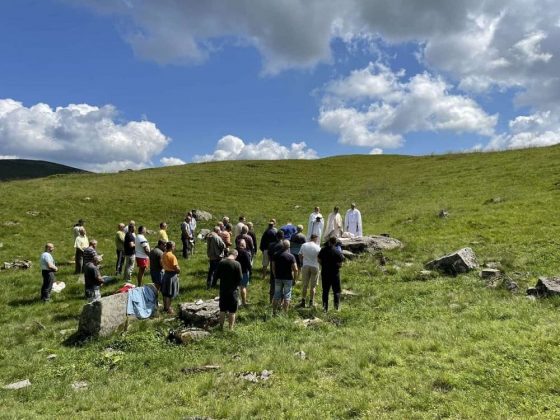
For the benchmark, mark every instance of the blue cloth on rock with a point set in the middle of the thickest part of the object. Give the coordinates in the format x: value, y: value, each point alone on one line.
x: 142, y: 302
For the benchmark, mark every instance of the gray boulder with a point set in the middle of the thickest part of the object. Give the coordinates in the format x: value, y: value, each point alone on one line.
x: 370, y: 244
x: 202, y: 314
x: 189, y: 335
x: 458, y: 262
x: 490, y: 273
x: 548, y: 286
x: 201, y: 215
x: 104, y: 316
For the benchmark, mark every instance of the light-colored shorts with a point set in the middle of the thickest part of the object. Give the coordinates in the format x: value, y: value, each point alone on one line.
x: 245, y: 279
x: 283, y: 289
x: 309, y: 276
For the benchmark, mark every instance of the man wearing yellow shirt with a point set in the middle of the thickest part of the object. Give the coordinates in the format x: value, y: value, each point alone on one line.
x: 162, y: 234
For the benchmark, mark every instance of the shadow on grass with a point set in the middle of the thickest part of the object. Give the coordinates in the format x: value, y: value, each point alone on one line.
x: 77, y: 339
x: 66, y: 317
x: 24, y: 301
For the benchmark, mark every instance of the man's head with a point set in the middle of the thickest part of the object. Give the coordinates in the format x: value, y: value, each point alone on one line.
x: 336, y: 209
x: 272, y: 222
x: 225, y: 220
x: 93, y: 243
x: 141, y: 229
x: 232, y: 254
x: 131, y: 228
x: 332, y: 241
x: 313, y: 238
x: 161, y: 244
x: 244, y: 230
x: 81, y: 222
x: 132, y: 222
x: 280, y: 235
x: 217, y: 229
x: 120, y: 226
x: 227, y: 228
x: 353, y: 206
x: 250, y: 225
x: 285, y: 244
x: 170, y: 246
x: 188, y: 217
x: 163, y: 225
x: 97, y: 259
x: 82, y: 231
x: 49, y: 247
x: 316, y: 209
x: 242, y: 219
x: 299, y: 228
x: 242, y: 244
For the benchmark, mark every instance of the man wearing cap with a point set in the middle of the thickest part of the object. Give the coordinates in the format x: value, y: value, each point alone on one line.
x: 93, y: 279
x: 48, y: 268
x: 353, y: 221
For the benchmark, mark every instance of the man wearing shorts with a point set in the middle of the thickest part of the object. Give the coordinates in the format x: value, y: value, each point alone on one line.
x: 230, y: 276
x: 244, y: 258
x: 142, y: 252
x: 309, y: 269
x: 285, y: 271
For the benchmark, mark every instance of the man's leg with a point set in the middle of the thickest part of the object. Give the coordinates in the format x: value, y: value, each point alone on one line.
x: 314, y: 279
x: 304, y: 283
x: 336, y: 291
x: 276, y: 298
x: 287, y: 294
x: 325, y: 282
x: 129, y: 266
x: 118, y: 267
x: 77, y: 261
x: 231, y: 320
x: 222, y: 319
x: 48, y: 279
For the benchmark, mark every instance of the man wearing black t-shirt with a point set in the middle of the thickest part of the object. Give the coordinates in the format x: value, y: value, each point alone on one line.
x: 330, y: 259
x: 229, y: 274
x: 285, y: 271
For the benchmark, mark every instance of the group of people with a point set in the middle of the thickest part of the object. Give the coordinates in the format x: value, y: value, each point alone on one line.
x: 287, y: 254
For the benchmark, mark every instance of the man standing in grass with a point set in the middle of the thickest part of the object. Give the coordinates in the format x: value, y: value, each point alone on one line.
x: 90, y: 252
x: 142, y: 252
x: 334, y: 225
x: 230, y: 276
x: 312, y: 219
x: 330, y: 259
x: 129, y: 244
x: 310, y: 269
x: 156, y: 269
x: 162, y: 233
x: 119, y: 245
x: 267, y: 238
x: 239, y: 226
x: 244, y: 258
x: 93, y: 279
x: 187, y: 235
x: 353, y: 221
x: 170, y: 281
x: 215, y: 251
x: 48, y: 268
x: 296, y: 241
x: 80, y: 243
x: 285, y: 271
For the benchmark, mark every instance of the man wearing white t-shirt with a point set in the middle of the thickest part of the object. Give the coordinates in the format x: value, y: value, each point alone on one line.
x: 142, y: 253
x: 310, y: 269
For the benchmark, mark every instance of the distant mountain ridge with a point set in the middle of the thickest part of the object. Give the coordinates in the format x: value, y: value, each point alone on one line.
x: 12, y: 169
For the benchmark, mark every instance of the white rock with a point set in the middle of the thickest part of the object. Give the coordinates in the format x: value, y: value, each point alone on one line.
x: 18, y: 385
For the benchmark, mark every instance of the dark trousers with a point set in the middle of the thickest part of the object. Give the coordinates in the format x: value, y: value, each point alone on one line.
x: 272, y: 284
x: 329, y: 281
x: 48, y: 280
x: 79, y: 258
x: 211, y: 281
x: 187, y: 247
x: 120, y: 260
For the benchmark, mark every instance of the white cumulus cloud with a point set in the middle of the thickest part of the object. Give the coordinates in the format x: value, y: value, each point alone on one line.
x: 233, y: 148
x: 171, y: 161
x: 375, y: 107
x: 79, y: 135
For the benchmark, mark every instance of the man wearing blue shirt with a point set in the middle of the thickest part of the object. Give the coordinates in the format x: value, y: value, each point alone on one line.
x: 48, y: 268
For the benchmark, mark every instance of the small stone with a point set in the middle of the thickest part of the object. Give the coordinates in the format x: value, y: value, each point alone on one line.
x: 300, y: 354
x: 199, y: 369
x: 490, y: 273
x: 80, y: 386
x: 532, y: 291
x: 348, y: 292
x: 189, y: 335
x: 426, y: 274
x: 443, y: 214
x: 33, y: 213
x: 18, y: 385
x: 51, y: 356
x: 310, y: 322
x: 87, y: 198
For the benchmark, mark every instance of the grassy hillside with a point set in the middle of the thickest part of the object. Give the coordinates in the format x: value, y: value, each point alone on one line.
x: 25, y: 169
x: 446, y: 347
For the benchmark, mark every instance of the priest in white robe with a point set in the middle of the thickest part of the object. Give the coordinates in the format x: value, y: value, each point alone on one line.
x: 316, y: 228
x: 353, y: 221
x: 334, y: 225
x: 312, y: 218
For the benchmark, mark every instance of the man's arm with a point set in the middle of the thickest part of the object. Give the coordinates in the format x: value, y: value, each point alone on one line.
x: 294, y: 270
x: 51, y: 266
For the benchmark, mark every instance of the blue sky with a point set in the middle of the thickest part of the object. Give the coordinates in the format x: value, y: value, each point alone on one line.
x: 109, y: 85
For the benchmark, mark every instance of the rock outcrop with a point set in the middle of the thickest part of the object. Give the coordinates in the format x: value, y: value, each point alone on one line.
x: 458, y: 262
x: 201, y: 314
x: 104, y: 316
x: 371, y: 244
x: 201, y: 215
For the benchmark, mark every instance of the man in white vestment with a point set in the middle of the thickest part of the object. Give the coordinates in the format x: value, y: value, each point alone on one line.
x: 353, y: 221
x: 334, y: 225
x: 316, y: 228
x: 312, y: 219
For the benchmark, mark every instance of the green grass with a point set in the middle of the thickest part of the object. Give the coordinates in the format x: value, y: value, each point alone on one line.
x: 403, y: 348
